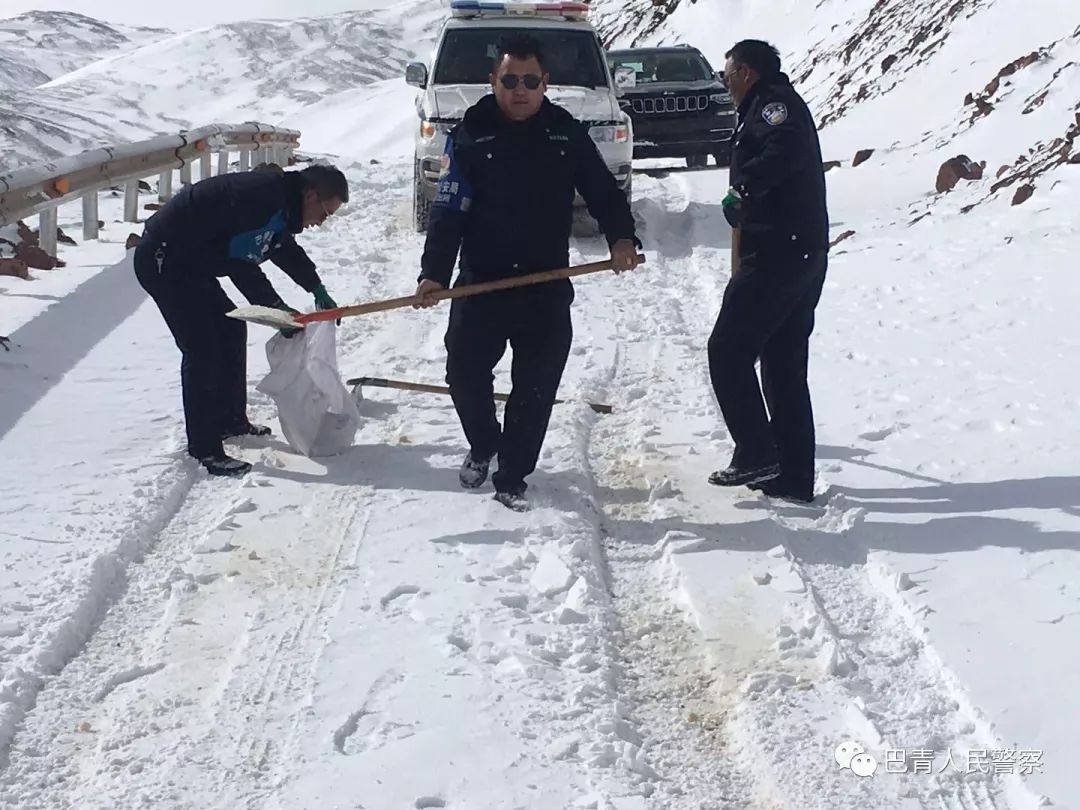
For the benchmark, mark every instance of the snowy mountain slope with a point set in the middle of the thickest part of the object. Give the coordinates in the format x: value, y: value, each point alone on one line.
x: 41, y: 45
x: 910, y: 80
x: 261, y: 70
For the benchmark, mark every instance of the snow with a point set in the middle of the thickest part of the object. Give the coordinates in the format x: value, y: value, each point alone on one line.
x: 358, y: 630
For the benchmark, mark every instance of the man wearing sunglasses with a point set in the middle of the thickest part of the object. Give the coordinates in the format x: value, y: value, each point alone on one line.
x: 227, y: 226
x: 510, y: 172
x: 777, y: 201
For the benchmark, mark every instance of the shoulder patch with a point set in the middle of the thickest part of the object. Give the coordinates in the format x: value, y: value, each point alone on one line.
x: 775, y: 113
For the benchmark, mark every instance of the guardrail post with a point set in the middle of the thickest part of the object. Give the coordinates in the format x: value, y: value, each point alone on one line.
x: 206, y: 168
x: 223, y: 162
x: 47, y: 230
x: 90, y: 215
x: 164, y: 186
x: 245, y: 160
x: 131, y: 201
x: 185, y: 173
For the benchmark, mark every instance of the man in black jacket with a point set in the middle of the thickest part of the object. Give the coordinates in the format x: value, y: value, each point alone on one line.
x: 506, y: 201
x: 777, y: 201
x: 227, y: 226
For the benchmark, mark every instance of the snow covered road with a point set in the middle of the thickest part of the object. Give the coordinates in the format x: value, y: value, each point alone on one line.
x: 360, y: 632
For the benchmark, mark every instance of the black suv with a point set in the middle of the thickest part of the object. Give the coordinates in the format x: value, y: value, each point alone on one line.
x: 679, y: 105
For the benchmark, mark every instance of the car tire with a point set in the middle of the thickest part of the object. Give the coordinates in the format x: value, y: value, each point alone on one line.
x: 697, y: 161
x: 421, y: 205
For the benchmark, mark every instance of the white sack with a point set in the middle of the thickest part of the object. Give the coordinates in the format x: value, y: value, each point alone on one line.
x: 317, y: 415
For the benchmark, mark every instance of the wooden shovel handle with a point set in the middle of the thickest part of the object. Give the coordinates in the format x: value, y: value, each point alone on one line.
x: 457, y: 292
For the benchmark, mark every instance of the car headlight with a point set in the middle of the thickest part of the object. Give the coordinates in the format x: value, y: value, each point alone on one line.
x: 720, y: 98
x: 430, y: 129
x: 618, y: 133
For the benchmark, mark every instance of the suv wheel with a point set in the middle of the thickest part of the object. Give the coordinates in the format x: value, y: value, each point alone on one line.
x: 697, y: 161
x: 421, y: 204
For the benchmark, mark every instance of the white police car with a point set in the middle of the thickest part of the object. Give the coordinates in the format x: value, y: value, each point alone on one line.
x: 461, y: 65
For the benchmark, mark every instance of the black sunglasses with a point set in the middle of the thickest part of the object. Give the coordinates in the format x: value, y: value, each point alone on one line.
x: 531, y: 80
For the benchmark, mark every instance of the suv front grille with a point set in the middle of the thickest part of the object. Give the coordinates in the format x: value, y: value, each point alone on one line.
x: 671, y: 104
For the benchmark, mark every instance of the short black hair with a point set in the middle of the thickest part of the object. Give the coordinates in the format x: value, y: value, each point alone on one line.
x: 327, y: 181
x: 757, y: 54
x: 520, y: 46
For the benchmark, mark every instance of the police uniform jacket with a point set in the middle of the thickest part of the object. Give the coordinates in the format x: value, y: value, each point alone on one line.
x: 506, y: 195
x: 228, y: 225
x: 776, y: 166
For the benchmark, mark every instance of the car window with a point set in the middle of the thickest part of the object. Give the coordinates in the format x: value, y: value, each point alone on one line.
x: 572, y: 58
x: 664, y: 67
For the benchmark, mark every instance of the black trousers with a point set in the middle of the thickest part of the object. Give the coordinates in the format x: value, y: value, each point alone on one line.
x: 213, y: 348
x: 768, y: 314
x: 536, y: 323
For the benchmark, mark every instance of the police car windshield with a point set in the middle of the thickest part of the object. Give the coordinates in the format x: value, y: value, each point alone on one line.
x: 664, y: 67
x: 571, y: 57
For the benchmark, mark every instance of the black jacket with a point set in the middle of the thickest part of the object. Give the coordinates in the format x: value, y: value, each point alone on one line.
x: 776, y: 166
x: 507, y: 193
x: 228, y: 225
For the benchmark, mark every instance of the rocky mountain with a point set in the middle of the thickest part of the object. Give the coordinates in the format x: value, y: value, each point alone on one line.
x: 39, y: 46
x: 263, y: 70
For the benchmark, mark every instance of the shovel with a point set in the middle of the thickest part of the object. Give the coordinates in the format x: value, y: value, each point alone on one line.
x: 281, y: 319
x: 358, y: 383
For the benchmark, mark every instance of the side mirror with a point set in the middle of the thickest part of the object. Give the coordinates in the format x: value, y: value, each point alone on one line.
x: 416, y: 74
x: 625, y: 78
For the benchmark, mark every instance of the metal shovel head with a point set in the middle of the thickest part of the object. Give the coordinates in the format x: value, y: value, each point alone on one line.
x: 266, y: 316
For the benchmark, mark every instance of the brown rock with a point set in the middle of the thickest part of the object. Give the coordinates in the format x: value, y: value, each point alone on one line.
x: 153, y: 206
x: 993, y: 86
x: 830, y: 165
x: 954, y: 170
x: 968, y: 208
x: 861, y: 156
x: 1036, y: 102
x: 841, y: 238
x: 920, y: 217
x: 26, y: 236
x: 983, y: 107
x: 144, y: 186
x: 888, y: 62
x: 1002, y: 171
x: 132, y: 241
x: 969, y: 100
x: 14, y: 267
x: 36, y: 257
x: 1075, y: 158
x: 64, y: 239
x: 1023, y: 194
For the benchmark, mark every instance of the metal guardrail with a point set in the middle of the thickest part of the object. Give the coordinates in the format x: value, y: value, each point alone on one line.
x: 41, y: 189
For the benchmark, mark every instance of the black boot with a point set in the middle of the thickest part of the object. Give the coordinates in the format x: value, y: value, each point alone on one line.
x: 245, y: 429
x: 785, y: 490
x: 745, y: 475
x: 225, y: 465
x: 514, y: 500
x: 474, y: 471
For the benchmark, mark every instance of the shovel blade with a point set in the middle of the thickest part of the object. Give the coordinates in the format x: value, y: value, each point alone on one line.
x: 266, y: 316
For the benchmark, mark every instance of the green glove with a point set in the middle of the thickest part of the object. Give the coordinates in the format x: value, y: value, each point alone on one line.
x: 323, y: 299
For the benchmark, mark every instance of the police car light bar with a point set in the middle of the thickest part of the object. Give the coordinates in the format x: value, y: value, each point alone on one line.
x: 489, y: 8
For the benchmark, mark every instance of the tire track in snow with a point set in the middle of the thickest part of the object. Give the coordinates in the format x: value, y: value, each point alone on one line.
x: 664, y: 676
x: 847, y: 649
x: 149, y: 510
